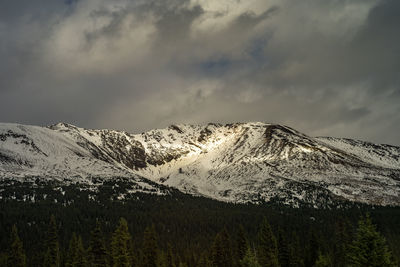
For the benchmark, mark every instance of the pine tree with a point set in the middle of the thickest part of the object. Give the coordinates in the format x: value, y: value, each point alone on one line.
x: 312, y: 249
x: 249, y: 260
x: 81, y: 258
x: 3, y: 259
x: 323, y: 261
x: 203, y: 261
x: 295, y: 252
x: 150, y: 247
x: 76, y: 253
x: 97, y: 250
x: 267, y: 246
x: 71, y: 251
x: 169, y: 260
x: 221, y: 252
x: 16, y: 255
x: 120, y: 245
x: 342, y: 240
x: 242, y: 245
x: 162, y: 259
x: 283, y: 249
x: 52, y: 256
x: 369, y: 248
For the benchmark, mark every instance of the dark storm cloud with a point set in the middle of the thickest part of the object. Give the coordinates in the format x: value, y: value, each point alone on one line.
x: 323, y: 67
x: 13, y: 10
x: 247, y: 20
x: 376, y: 47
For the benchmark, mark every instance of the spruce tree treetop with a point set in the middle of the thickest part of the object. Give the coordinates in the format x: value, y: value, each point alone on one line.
x: 76, y: 253
x: 221, y: 252
x: 150, y: 247
x: 72, y: 251
x: 283, y: 249
x: 295, y: 251
x: 242, y: 244
x: 267, y: 246
x: 369, y: 248
x: 169, y: 260
x: 52, y: 257
x: 16, y: 255
x: 97, y: 250
x: 120, y: 245
x: 249, y: 260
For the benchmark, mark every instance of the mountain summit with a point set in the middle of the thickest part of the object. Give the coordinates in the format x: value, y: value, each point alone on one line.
x: 240, y: 162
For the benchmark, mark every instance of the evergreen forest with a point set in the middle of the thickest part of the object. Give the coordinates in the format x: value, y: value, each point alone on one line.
x: 75, y: 227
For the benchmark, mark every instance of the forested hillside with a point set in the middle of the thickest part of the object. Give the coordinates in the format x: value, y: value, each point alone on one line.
x: 71, y: 226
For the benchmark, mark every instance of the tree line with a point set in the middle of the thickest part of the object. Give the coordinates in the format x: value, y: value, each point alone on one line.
x: 192, y: 225
x: 365, y: 247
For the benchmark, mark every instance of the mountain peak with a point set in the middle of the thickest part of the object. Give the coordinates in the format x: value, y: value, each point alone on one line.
x: 237, y: 162
x: 62, y: 125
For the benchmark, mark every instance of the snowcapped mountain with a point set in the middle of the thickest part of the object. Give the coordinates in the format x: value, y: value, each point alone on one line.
x: 235, y: 162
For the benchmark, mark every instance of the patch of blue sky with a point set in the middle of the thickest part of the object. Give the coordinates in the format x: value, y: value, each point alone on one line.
x: 256, y: 51
x: 221, y: 65
x: 70, y: 2
x: 217, y: 66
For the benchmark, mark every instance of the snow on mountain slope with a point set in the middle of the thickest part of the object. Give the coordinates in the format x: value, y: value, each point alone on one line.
x: 38, y: 151
x: 29, y: 152
x: 242, y: 162
x: 381, y: 155
x: 234, y: 162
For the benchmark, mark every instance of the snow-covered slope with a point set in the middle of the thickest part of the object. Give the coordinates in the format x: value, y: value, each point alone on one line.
x: 235, y: 162
x: 65, y: 155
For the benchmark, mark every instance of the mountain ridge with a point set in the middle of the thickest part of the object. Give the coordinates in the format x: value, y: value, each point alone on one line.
x: 238, y: 162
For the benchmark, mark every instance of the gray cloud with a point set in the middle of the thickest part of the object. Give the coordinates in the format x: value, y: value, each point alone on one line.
x: 323, y: 67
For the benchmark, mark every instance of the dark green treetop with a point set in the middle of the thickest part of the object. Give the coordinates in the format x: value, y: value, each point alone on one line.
x: 16, y: 256
x: 369, y: 248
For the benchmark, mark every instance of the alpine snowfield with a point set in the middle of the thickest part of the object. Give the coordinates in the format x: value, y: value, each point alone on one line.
x: 238, y: 162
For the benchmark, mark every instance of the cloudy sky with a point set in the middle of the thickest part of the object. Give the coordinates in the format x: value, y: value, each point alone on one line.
x: 327, y: 67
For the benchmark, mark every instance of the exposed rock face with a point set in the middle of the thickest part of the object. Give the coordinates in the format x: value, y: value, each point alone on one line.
x: 234, y: 162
